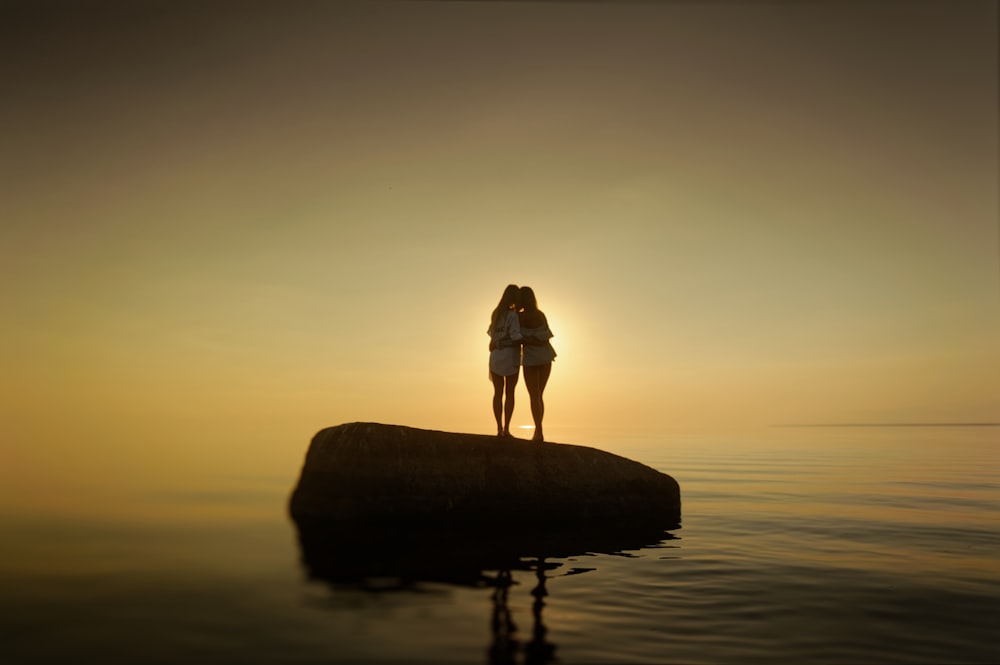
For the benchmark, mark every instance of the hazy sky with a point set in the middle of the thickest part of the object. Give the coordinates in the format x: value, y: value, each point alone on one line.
x: 273, y: 217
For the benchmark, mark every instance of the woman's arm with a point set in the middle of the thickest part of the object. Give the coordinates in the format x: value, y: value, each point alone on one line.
x: 542, y: 336
x: 514, y: 328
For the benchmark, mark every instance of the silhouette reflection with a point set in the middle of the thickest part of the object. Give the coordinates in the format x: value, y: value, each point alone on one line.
x: 538, y: 650
x: 503, y: 650
x: 388, y: 558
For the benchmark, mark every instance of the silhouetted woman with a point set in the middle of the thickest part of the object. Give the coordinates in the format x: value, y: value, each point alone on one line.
x: 537, y: 356
x: 505, y: 355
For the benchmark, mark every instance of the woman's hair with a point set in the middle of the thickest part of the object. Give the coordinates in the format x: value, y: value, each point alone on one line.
x: 511, y: 296
x: 528, y: 300
x: 530, y: 316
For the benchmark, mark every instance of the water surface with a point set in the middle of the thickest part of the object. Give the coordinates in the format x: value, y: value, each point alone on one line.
x: 839, y: 545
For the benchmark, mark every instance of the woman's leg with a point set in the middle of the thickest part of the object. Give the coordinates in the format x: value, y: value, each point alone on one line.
x: 498, y: 382
x: 543, y: 379
x: 535, y: 378
x: 508, y: 410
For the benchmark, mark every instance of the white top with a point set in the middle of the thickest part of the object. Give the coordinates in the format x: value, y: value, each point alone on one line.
x: 538, y: 354
x: 505, y: 358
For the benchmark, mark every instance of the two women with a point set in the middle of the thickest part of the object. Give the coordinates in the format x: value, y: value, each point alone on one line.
x: 519, y: 334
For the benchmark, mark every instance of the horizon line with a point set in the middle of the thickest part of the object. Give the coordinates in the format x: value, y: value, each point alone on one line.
x: 888, y: 425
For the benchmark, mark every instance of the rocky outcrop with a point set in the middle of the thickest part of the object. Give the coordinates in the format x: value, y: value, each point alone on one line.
x: 368, y: 474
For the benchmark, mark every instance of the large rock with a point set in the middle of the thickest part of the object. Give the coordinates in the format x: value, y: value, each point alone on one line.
x: 372, y: 474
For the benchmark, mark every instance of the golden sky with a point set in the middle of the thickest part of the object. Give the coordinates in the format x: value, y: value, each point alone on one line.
x: 266, y: 218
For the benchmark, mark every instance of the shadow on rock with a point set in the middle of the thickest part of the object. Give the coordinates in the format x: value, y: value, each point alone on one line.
x: 395, y: 556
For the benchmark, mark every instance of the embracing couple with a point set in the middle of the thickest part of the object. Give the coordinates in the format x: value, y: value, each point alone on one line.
x: 519, y: 335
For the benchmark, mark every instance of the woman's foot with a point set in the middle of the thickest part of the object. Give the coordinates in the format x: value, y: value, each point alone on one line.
x: 538, y: 436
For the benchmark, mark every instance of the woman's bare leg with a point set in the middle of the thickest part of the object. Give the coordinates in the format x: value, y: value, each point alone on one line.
x: 535, y: 378
x: 498, y: 382
x: 508, y: 411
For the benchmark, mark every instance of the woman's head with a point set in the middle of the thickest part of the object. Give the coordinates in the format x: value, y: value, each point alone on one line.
x: 511, y: 298
x: 528, y: 300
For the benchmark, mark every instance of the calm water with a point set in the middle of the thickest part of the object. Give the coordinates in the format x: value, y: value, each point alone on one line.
x: 848, y: 545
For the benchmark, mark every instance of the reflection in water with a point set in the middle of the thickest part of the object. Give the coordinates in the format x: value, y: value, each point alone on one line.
x: 504, y: 647
x: 538, y: 650
x: 503, y: 650
x: 395, y: 558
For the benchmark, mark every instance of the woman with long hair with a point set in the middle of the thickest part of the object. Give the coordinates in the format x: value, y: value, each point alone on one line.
x: 537, y: 355
x: 505, y: 355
